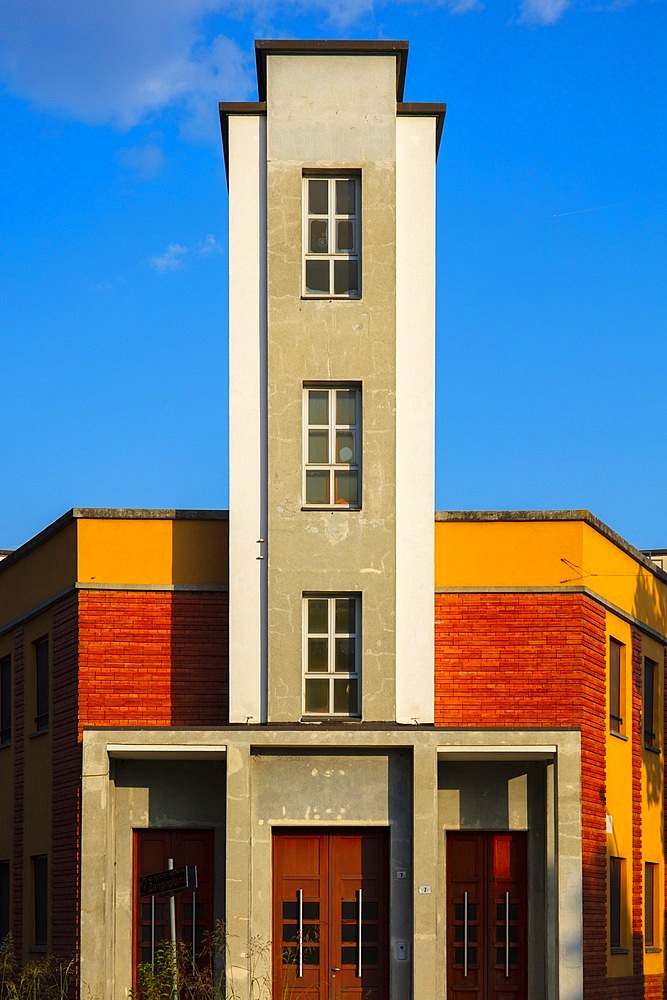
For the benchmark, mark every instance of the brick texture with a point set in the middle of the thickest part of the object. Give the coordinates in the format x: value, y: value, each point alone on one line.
x: 153, y: 659
x: 529, y: 660
x: 66, y: 780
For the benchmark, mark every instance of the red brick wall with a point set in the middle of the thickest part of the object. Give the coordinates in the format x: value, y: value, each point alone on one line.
x: 64, y: 859
x: 534, y: 660
x: 153, y: 658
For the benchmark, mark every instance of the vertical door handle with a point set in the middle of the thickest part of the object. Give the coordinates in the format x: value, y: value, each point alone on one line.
x: 359, y: 905
x: 299, y: 933
x: 507, y: 935
x: 465, y: 933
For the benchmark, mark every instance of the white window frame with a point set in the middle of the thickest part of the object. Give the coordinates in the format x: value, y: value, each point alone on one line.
x: 331, y: 675
x: 333, y: 253
x: 331, y: 466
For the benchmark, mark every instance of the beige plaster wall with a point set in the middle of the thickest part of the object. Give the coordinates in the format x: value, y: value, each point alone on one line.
x: 316, y: 120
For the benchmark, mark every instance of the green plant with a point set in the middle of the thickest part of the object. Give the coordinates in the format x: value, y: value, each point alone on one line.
x: 48, y: 978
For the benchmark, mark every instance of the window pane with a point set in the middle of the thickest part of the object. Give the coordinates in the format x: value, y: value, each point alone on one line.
x: 317, y: 487
x: 344, y: 236
x: 317, y: 694
x: 346, y: 280
x: 345, y: 696
x: 318, y: 617
x: 345, y: 197
x: 346, y: 487
x: 318, y: 407
x: 318, y: 200
x: 345, y: 614
x: 615, y: 721
x: 318, y: 447
x: 317, y: 277
x: 40, y: 873
x: 318, y: 655
x: 649, y: 904
x: 344, y: 659
x: 345, y: 446
x: 346, y: 407
x: 318, y: 236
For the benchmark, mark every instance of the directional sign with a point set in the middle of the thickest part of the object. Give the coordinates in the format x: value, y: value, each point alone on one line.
x: 170, y: 882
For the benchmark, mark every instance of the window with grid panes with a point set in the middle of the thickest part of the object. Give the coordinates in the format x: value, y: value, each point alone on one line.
x: 650, y: 704
x: 332, y: 655
x: 331, y: 237
x: 332, y: 445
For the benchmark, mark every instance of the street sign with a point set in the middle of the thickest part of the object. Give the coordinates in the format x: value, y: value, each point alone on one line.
x: 170, y: 882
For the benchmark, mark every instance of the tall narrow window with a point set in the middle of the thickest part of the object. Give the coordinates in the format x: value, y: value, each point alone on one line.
x: 650, y: 727
x: 332, y: 446
x: 650, y: 904
x: 616, y: 903
x: 616, y: 651
x: 42, y: 684
x: 331, y: 237
x: 4, y: 900
x: 40, y: 871
x: 332, y: 655
x: 5, y: 700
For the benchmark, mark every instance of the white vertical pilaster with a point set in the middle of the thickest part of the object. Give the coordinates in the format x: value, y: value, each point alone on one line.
x: 415, y: 417
x: 247, y: 418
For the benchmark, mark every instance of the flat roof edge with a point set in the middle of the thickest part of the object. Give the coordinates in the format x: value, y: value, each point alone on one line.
x: 107, y: 513
x: 330, y: 47
x: 585, y: 516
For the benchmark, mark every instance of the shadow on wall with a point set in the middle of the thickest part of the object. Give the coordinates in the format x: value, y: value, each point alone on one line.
x: 650, y: 605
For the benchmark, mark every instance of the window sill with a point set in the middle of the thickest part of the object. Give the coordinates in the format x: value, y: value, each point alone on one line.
x: 6, y: 745
x: 619, y: 951
x: 331, y: 298
x: 37, y: 949
x: 655, y: 750
x: 652, y: 950
x: 318, y: 720
x: 332, y: 508
x: 618, y: 736
x: 38, y: 732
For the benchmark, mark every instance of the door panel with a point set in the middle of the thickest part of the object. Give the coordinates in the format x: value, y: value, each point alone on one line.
x: 330, y: 914
x: 486, y: 916
x: 152, y: 850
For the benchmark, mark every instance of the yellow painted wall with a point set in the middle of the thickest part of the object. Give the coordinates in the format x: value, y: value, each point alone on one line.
x: 37, y: 801
x: 152, y: 552
x: 558, y: 553
x: 41, y: 574
x: 619, y: 788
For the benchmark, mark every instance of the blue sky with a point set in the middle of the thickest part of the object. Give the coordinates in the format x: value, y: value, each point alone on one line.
x: 552, y: 248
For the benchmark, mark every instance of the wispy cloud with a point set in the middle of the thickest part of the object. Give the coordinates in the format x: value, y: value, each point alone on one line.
x: 543, y: 11
x: 172, y: 259
x: 176, y: 254
x: 116, y: 63
x: 145, y: 161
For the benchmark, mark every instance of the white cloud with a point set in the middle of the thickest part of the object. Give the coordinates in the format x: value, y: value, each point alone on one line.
x: 543, y: 11
x: 175, y: 255
x: 171, y: 260
x: 115, y: 62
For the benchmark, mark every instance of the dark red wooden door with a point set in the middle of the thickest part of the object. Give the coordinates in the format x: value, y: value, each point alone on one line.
x: 330, y: 914
x: 152, y: 850
x: 487, y: 916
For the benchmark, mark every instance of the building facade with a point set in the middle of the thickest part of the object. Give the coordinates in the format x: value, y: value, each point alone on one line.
x: 397, y: 805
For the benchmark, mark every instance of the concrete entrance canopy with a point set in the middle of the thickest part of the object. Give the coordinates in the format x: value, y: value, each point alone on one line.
x: 244, y: 782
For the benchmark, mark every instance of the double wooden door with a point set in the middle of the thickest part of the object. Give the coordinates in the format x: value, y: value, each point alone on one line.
x: 487, y: 916
x: 330, y: 914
